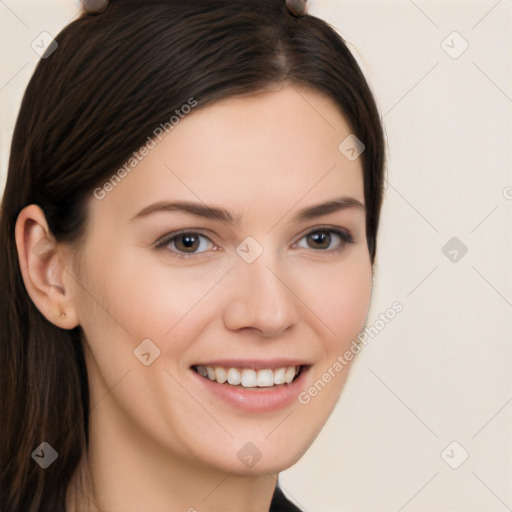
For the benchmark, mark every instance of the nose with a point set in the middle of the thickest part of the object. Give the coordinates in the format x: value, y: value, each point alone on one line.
x: 261, y: 298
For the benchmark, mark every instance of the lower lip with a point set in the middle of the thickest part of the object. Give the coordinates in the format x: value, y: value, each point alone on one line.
x: 256, y: 400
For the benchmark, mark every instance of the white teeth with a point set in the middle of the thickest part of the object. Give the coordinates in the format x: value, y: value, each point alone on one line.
x: 234, y: 377
x: 265, y: 379
x: 289, y: 374
x: 248, y: 377
x: 220, y: 375
x: 279, y: 376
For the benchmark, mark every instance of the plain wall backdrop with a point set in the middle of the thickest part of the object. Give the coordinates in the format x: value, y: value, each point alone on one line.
x: 424, y: 422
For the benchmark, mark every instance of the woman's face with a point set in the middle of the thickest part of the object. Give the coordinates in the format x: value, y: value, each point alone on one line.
x: 279, y: 285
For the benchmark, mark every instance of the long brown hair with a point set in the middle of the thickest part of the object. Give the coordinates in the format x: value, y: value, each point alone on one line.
x: 113, y: 78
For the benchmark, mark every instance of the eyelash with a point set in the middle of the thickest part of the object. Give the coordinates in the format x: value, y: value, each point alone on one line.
x: 345, y: 236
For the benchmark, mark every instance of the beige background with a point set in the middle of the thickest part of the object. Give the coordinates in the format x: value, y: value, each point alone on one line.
x: 440, y: 371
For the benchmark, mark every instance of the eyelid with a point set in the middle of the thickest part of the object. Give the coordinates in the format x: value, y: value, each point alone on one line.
x: 343, y: 233
x: 334, y: 229
x: 166, y: 239
x: 173, y: 234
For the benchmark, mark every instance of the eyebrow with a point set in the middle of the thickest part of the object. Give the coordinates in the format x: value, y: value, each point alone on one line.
x: 227, y: 217
x: 335, y: 205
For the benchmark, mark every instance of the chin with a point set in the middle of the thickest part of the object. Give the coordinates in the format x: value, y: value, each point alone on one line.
x: 255, y: 459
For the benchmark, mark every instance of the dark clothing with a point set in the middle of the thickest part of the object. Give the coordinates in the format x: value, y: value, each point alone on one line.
x: 280, y: 503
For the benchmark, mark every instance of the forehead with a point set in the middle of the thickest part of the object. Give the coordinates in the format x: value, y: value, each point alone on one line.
x: 271, y: 149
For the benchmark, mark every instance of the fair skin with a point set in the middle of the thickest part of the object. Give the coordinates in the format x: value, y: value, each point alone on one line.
x: 160, y: 440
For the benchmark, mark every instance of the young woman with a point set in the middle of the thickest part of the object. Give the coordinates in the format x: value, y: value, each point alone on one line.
x: 188, y: 233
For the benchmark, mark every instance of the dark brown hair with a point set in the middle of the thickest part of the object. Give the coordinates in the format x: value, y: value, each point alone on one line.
x: 112, y: 80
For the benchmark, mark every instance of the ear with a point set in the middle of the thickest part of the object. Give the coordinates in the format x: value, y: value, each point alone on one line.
x: 43, y: 266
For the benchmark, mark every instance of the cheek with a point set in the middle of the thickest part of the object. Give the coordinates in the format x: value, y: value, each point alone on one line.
x: 148, y: 300
x: 342, y: 309
x: 130, y: 298
x: 349, y: 299
x: 340, y: 297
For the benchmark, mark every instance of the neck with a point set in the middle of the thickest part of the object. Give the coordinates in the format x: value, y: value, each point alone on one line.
x: 123, y: 471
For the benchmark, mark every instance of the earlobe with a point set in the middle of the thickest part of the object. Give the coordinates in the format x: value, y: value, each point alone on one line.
x: 41, y: 263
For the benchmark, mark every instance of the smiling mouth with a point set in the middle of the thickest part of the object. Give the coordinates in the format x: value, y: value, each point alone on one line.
x: 248, y: 377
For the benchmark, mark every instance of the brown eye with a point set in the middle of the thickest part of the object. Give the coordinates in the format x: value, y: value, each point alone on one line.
x: 319, y: 240
x: 326, y: 240
x: 187, y: 242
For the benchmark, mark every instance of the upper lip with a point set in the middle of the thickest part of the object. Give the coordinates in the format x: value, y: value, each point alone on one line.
x: 255, y: 364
